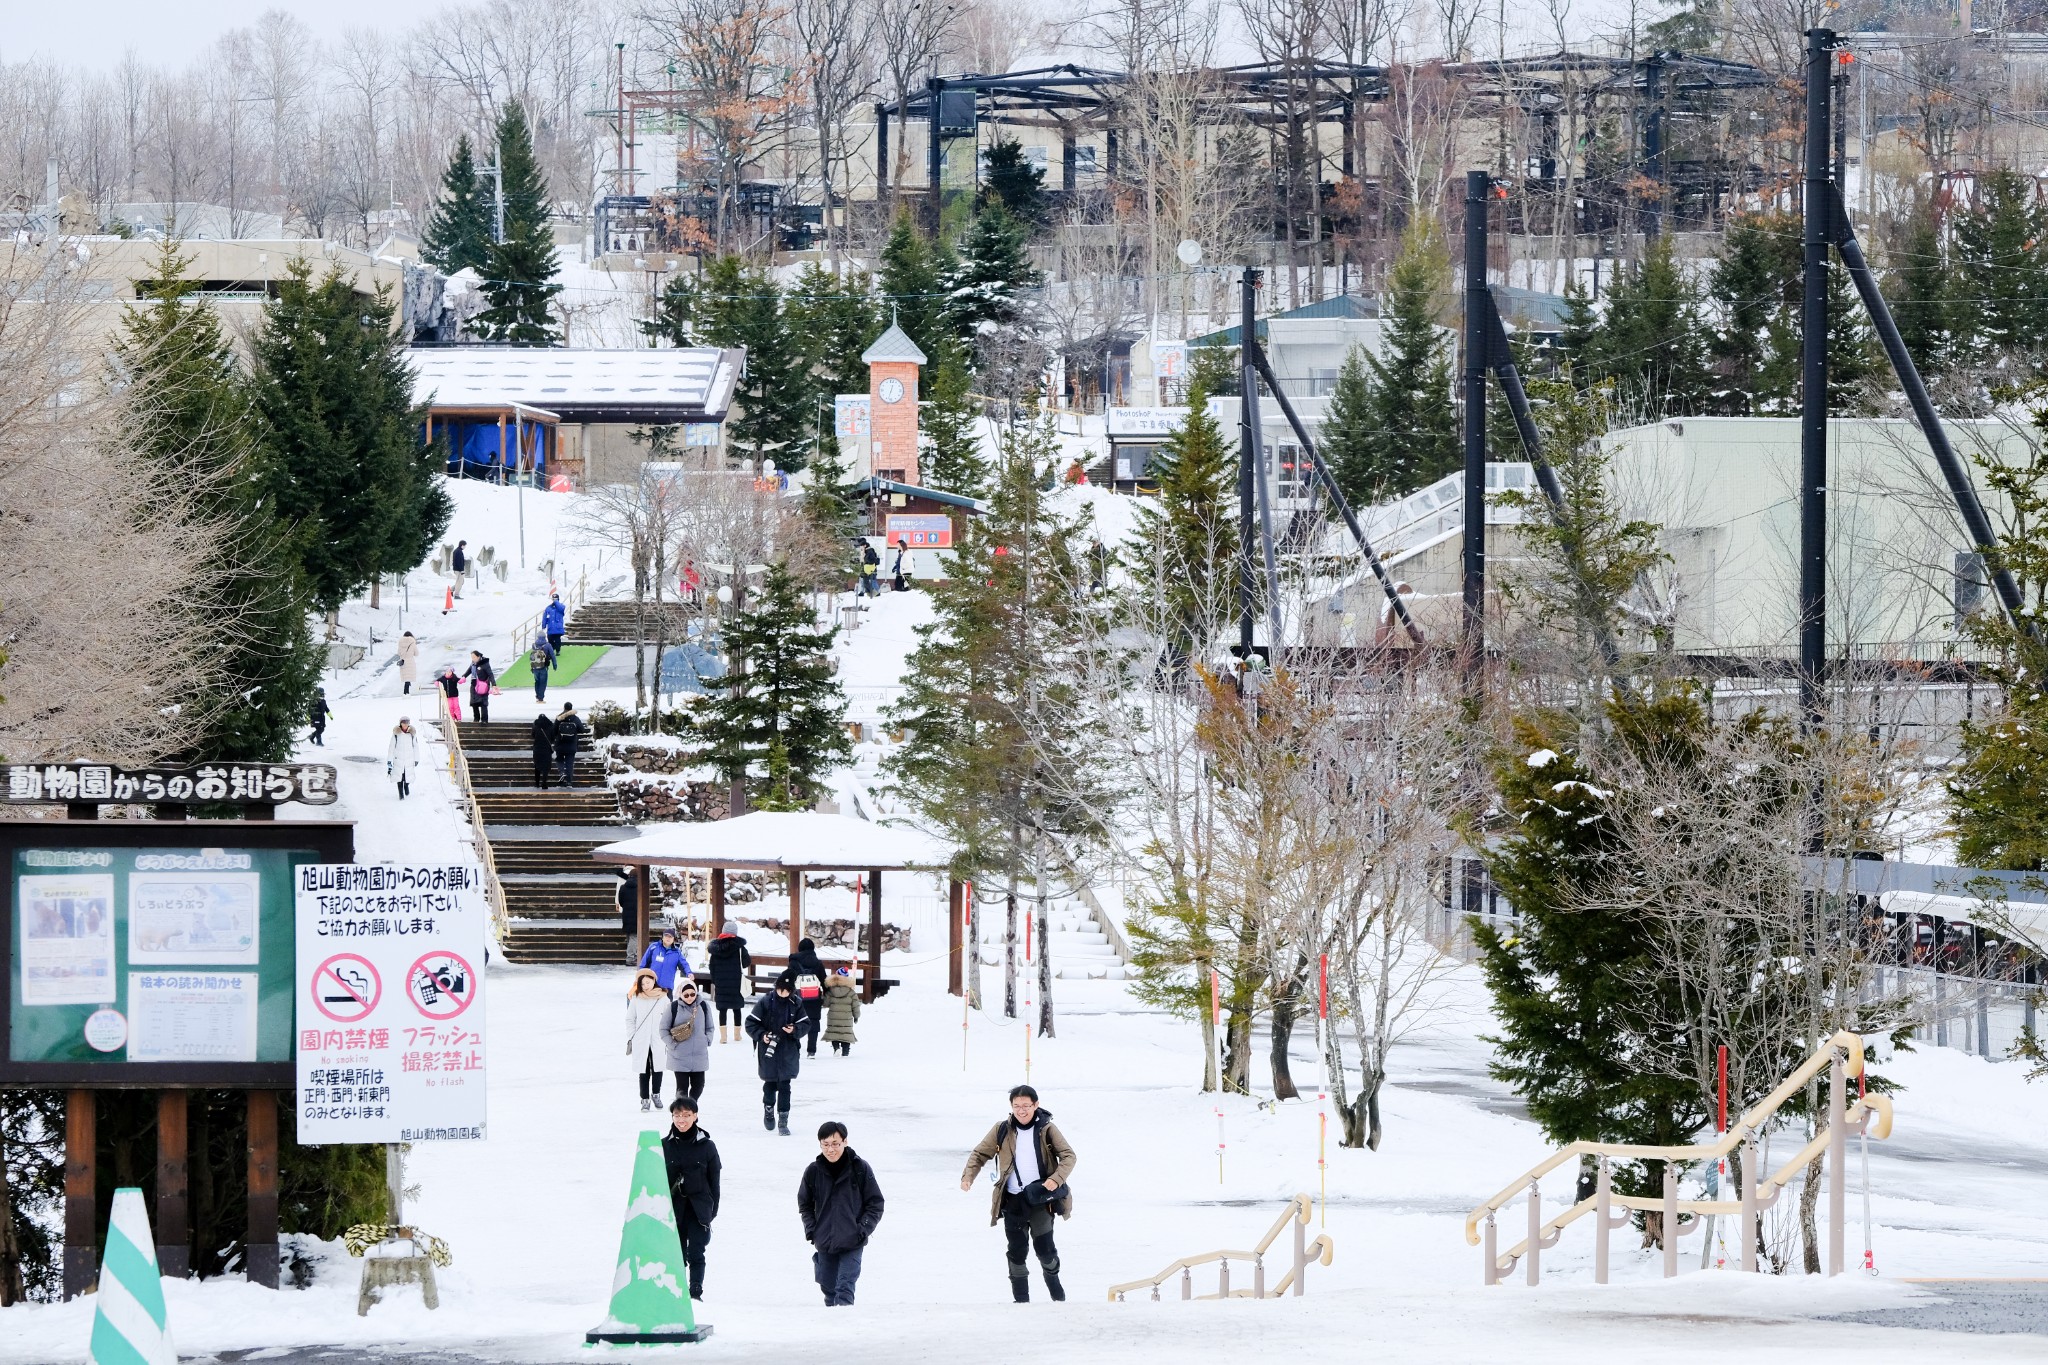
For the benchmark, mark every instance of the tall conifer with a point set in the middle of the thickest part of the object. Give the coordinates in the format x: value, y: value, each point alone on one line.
x: 519, y: 272
x: 1413, y: 421
x: 777, y: 716
x: 458, y: 232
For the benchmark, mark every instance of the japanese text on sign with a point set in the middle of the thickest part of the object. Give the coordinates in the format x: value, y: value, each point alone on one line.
x: 249, y: 784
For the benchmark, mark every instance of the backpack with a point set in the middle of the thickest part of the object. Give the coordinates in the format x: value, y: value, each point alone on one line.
x: 808, y: 987
x: 538, y: 661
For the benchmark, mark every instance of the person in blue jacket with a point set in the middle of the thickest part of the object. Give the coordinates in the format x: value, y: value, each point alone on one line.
x: 551, y: 623
x: 665, y: 959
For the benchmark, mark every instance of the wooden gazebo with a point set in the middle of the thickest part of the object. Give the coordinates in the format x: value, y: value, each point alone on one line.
x: 796, y: 843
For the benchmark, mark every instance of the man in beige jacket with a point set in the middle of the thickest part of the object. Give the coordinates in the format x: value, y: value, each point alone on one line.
x: 1030, y: 1186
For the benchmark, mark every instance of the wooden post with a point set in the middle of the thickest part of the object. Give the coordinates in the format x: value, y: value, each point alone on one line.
x: 642, y: 910
x: 867, y: 990
x: 81, y: 1218
x: 259, y: 1247
x: 173, y: 1232
x: 796, y: 907
x: 956, y: 937
x: 717, y: 901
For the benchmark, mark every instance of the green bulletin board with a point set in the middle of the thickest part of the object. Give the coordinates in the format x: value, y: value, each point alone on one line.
x: 167, y: 958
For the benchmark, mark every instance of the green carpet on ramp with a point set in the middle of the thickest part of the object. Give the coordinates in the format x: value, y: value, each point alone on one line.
x: 570, y: 664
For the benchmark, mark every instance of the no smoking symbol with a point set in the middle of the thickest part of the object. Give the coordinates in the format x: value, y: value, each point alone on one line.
x: 441, y: 985
x: 346, y: 988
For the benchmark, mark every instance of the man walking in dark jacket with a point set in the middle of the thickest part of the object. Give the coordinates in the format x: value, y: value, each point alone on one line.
x: 840, y: 1204
x: 568, y: 738
x: 776, y: 1026
x: 543, y: 751
x: 692, y: 1159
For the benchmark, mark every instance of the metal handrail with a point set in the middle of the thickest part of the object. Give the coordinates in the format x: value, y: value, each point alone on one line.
x: 1299, y: 1210
x: 458, y: 765
x: 1843, y: 1052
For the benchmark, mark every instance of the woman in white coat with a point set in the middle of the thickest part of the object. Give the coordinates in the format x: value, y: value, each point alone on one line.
x: 647, y: 1035
x: 408, y: 661
x: 403, y: 756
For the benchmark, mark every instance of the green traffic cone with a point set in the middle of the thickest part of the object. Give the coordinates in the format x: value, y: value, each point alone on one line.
x: 129, y: 1323
x: 651, y: 1288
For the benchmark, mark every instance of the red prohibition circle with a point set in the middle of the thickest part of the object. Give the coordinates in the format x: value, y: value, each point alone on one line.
x: 462, y: 1002
x: 346, y: 996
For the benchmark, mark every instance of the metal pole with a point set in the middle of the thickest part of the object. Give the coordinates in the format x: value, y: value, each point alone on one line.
x: 1247, y: 453
x: 1953, y: 471
x: 1817, y: 208
x: 935, y: 156
x: 1263, y: 482
x: 1476, y: 302
x: 1342, y: 504
x: 1653, y: 143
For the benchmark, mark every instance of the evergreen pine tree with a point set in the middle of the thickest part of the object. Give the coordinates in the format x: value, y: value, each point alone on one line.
x: 1413, y: 420
x: 2002, y: 263
x: 777, y: 716
x: 951, y: 427
x: 734, y: 304
x: 195, y: 427
x: 1009, y: 179
x: 458, y: 231
x: 1576, y: 334
x: 1184, y: 545
x: 913, y: 285
x: 333, y: 396
x: 519, y: 272
x: 1756, y: 281
x: 1215, y: 370
x: 1922, y: 290
x: 1650, y: 341
x: 992, y: 272
x: 834, y: 318
x: 1347, y: 446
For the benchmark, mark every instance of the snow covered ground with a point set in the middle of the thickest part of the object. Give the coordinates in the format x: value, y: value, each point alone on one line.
x: 533, y: 1213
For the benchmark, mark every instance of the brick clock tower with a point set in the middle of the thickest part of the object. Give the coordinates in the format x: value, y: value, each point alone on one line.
x: 893, y: 363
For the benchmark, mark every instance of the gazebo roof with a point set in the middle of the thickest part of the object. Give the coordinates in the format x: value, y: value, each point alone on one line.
x: 771, y: 840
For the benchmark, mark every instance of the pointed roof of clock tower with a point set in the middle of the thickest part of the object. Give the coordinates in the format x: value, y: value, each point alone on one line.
x: 894, y: 344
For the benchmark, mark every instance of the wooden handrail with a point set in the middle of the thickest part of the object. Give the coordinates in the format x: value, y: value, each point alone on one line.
x: 458, y: 761
x: 1299, y: 1210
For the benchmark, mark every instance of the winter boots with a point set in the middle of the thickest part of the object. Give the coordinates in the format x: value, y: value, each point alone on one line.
x: 768, y: 1118
x: 782, y: 1123
x: 721, y: 1033
x: 1052, y: 1286
x: 1020, y: 1288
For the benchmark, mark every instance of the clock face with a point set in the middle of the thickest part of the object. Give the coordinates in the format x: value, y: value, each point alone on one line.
x: 892, y: 390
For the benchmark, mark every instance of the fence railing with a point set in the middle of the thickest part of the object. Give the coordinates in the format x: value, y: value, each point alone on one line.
x: 458, y: 768
x: 1299, y: 1210
x: 524, y: 633
x: 1841, y: 1056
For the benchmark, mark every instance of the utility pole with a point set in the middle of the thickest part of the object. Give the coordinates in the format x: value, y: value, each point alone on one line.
x: 1817, y: 210
x: 1247, y: 457
x: 1477, y: 186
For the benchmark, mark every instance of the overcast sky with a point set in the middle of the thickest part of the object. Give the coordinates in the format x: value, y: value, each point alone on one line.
x: 173, y: 32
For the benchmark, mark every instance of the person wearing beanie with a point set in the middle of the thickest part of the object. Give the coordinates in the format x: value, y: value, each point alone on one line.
x: 777, y: 1027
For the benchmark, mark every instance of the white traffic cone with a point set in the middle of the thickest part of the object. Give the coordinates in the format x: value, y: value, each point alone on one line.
x: 130, y: 1325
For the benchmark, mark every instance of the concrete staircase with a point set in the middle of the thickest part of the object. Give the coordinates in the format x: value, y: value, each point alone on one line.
x: 611, y: 623
x: 1080, y: 949
x: 561, y: 906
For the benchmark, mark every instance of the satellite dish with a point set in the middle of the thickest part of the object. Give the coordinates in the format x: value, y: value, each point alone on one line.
x: 1189, y: 251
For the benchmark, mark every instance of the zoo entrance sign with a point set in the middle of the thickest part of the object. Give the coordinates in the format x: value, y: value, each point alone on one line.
x: 253, y: 784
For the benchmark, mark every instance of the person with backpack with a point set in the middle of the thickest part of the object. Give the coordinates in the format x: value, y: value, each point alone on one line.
x: 538, y: 662
x: 842, y: 1008
x: 553, y: 624
x: 870, y: 569
x: 543, y: 751
x: 776, y: 1026
x: 1033, y: 1165
x: 728, y: 964
x: 807, y: 974
x: 691, y: 1158
x: 569, y: 730
x: 689, y: 1039
x: 318, y: 713
x: 841, y: 1205
x: 483, y: 679
x: 403, y: 756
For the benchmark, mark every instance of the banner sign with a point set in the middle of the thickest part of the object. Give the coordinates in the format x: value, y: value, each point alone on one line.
x: 852, y: 415
x: 1156, y: 423
x: 390, y: 1002
x: 262, y: 784
x: 920, y: 530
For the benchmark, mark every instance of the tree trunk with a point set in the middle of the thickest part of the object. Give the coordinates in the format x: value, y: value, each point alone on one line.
x: 1237, y: 1053
x: 333, y: 625
x: 1283, y: 1033
x: 660, y: 635
x: 1010, y: 948
x: 376, y: 592
x: 12, y: 1288
x: 972, y: 985
x: 1044, y: 929
x: 1809, y: 1214
x: 639, y: 639
x: 1210, y: 1079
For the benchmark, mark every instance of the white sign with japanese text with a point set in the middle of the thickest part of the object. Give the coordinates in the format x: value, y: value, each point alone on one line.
x: 389, y: 1002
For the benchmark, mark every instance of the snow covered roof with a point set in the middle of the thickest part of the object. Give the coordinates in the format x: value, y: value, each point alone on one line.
x: 894, y: 344
x: 779, y: 839
x: 686, y: 384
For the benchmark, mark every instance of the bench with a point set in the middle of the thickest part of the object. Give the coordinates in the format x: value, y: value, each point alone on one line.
x: 761, y: 976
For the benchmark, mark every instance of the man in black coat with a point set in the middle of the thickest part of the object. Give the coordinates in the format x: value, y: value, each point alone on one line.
x: 543, y: 751
x: 692, y: 1159
x: 569, y: 730
x: 729, y: 960
x: 840, y: 1204
x: 777, y: 1027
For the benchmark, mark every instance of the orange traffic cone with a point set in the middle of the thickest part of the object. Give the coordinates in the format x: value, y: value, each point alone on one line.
x: 448, y: 603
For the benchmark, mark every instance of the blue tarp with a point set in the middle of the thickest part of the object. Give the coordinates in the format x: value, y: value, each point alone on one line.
x: 474, y: 449
x: 686, y: 668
